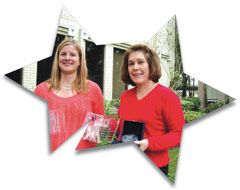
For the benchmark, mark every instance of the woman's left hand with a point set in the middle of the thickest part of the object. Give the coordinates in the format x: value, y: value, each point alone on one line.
x: 143, y: 144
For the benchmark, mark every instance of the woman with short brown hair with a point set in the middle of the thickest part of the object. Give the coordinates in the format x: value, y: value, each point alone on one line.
x: 149, y: 102
x: 152, y: 59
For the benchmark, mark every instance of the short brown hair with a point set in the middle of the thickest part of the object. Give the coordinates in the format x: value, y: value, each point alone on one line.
x: 152, y: 60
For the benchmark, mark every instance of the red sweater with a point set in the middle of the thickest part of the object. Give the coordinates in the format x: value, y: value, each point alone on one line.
x: 163, y: 116
x: 66, y: 115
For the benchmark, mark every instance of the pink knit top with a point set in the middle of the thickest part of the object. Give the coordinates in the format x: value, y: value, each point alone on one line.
x: 66, y: 115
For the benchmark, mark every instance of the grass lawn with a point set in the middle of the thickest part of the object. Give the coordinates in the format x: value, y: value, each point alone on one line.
x: 173, y: 154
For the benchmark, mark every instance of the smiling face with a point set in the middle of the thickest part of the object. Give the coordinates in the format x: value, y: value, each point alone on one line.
x: 69, y: 59
x: 138, y: 68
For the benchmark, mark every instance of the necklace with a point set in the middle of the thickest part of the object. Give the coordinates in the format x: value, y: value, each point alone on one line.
x: 68, y: 89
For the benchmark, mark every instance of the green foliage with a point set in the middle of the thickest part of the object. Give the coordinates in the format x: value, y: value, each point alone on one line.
x: 192, y: 103
x: 107, y: 107
x: 115, y: 103
x: 187, y: 105
x: 197, y: 103
x: 103, y: 142
x: 106, y: 141
x: 173, y: 154
x: 212, y: 107
x: 192, y: 115
x: 175, y: 81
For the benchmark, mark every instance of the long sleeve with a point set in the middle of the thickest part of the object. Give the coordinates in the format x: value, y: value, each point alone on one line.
x: 174, y: 120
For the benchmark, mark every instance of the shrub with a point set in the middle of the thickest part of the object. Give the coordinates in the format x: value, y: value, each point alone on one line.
x: 107, y: 107
x: 187, y: 105
x: 115, y: 103
x: 212, y: 107
x: 197, y: 103
x: 193, y: 103
x: 192, y: 115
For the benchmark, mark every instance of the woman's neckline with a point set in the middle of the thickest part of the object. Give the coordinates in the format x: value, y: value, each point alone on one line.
x: 145, y: 96
x: 60, y: 97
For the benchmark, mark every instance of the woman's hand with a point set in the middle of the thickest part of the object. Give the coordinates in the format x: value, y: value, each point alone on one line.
x: 143, y: 144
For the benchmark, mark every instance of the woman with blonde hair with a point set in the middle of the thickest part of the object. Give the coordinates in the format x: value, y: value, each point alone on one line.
x: 152, y: 103
x: 68, y: 92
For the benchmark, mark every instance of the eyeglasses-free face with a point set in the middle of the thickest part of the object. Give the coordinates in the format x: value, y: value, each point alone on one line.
x: 69, y: 59
x: 138, y: 68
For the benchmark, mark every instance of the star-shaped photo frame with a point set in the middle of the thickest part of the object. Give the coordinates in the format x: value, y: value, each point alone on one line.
x: 104, y: 65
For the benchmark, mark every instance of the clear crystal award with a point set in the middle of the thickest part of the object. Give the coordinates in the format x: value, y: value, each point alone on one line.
x: 100, y: 129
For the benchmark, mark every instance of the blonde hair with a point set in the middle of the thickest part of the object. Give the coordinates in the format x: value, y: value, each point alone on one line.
x: 152, y: 60
x: 80, y: 83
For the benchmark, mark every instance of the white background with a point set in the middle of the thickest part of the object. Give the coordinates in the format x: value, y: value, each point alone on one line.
x: 209, y: 37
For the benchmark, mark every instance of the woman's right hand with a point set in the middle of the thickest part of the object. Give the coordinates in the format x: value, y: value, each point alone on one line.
x: 143, y: 144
